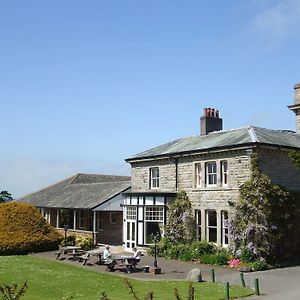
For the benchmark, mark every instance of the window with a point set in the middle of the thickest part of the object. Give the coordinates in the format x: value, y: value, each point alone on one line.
x: 131, y: 213
x: 224, y: 173
x: 224, y: 214
x: 211, y: 226
x: 211, y: 173
x: 112, y: 217
x: 197, y: 175
x: 198, y: 224
x: 154, y: 221
x: 82, y: 219
x: 154, y: 178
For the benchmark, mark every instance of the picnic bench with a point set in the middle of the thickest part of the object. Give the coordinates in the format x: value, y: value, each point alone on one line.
x: 84, y: 258
x: 66, y: 250
x: 125, y: 261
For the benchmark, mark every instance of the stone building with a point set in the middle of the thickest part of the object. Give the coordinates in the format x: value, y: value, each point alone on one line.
x: 210, y: 167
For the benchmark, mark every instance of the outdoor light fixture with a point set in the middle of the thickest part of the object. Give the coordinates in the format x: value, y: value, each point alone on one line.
x: 155, y: 239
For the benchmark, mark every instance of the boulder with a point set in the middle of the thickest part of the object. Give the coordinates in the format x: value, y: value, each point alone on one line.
x: 194, y: 275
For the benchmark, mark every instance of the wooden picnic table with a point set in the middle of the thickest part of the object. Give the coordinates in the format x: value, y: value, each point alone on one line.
x: 124, y: 260
x: 96, y: 252
x: 66, y: 250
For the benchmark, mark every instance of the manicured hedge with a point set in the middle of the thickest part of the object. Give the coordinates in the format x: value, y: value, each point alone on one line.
x: 24, y: 230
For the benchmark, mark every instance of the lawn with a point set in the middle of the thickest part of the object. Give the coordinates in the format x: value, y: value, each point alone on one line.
x: 57, y: 281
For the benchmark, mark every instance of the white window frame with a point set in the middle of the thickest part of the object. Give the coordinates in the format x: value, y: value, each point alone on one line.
x: 154, y: 177
x: 131, y: 212
x: 211, y: 173
x: 225, y: 228
x: 154, y: 214
x: 198, y: 177
x: 224, y: 172
x: 209, y: 227
x: 198, y: 224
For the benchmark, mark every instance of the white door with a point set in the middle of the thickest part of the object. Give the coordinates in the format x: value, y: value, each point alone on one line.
x: 130, y: 234
x: 130, y: 229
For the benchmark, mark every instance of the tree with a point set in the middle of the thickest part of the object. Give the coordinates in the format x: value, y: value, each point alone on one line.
x: 295, y: 156
x: 5, y: 196
x: 181, y: 223
x: 264, y: 218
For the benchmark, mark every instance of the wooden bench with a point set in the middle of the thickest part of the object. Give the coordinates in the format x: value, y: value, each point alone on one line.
x: 58, y: 254
x: 84, y: 258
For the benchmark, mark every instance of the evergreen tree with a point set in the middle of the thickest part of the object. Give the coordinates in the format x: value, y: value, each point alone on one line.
x: 5, y: 196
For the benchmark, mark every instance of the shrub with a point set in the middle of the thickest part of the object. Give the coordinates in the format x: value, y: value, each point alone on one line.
x: 247, y: 255
x: 24, y: 230
x: 162, y: 248
x: 85, y: 242
x: 221, y: 258
x: 69, y: 241
x: 202, y: 247
x: 258, y: 265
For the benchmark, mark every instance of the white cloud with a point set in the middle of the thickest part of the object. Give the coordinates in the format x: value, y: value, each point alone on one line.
x: 24, y: 176
x: 278, y: 21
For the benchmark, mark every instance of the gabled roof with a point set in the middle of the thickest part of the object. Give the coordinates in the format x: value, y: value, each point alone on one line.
x: 223, y: 139
x: 84, y: 191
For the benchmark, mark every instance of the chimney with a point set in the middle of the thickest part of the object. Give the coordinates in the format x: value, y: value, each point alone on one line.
x: 296, y: 106
x: 210, y: 121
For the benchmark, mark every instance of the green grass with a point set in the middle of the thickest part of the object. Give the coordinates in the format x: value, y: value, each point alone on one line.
x: 56, y: 280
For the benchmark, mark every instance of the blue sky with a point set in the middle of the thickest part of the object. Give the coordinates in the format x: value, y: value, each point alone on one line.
x: 86, y: 84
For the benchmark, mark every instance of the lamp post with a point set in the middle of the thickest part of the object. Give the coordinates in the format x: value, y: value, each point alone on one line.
x: 155, y: 238
x: 66, y: 227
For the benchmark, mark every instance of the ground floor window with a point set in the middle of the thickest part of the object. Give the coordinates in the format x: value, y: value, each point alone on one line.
x: 198, y: 224
x: 224, y: 215
x: 66, y: 217
x: 112, y: 217
x: 211, y: 226
x: 154, y: 222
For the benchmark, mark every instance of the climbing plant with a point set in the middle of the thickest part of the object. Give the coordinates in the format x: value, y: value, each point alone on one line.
x: 263, y: 220
x: 181, y: 223
x: 295, y: 156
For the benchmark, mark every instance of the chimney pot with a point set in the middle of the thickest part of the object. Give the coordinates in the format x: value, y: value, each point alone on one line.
x: 297, y: 93
x: 210, y: 121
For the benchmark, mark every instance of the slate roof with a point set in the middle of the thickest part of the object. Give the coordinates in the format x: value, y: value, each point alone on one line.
x: 223, y: 139
x: 82, y: 191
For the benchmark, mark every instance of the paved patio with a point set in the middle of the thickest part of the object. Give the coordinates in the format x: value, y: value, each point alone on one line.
x: 274, y: 284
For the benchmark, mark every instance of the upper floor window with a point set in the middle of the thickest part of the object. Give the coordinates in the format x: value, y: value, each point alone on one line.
x: 154, y: 178
x: 224, y: 173
x: 197, y: 175
x: 211, y: 173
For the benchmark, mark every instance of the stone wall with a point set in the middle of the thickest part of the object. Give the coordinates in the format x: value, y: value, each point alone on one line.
x: 238, y: 173
x: 280, y: 168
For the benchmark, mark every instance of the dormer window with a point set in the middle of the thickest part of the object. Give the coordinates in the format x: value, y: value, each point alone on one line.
x: 154, y: 178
